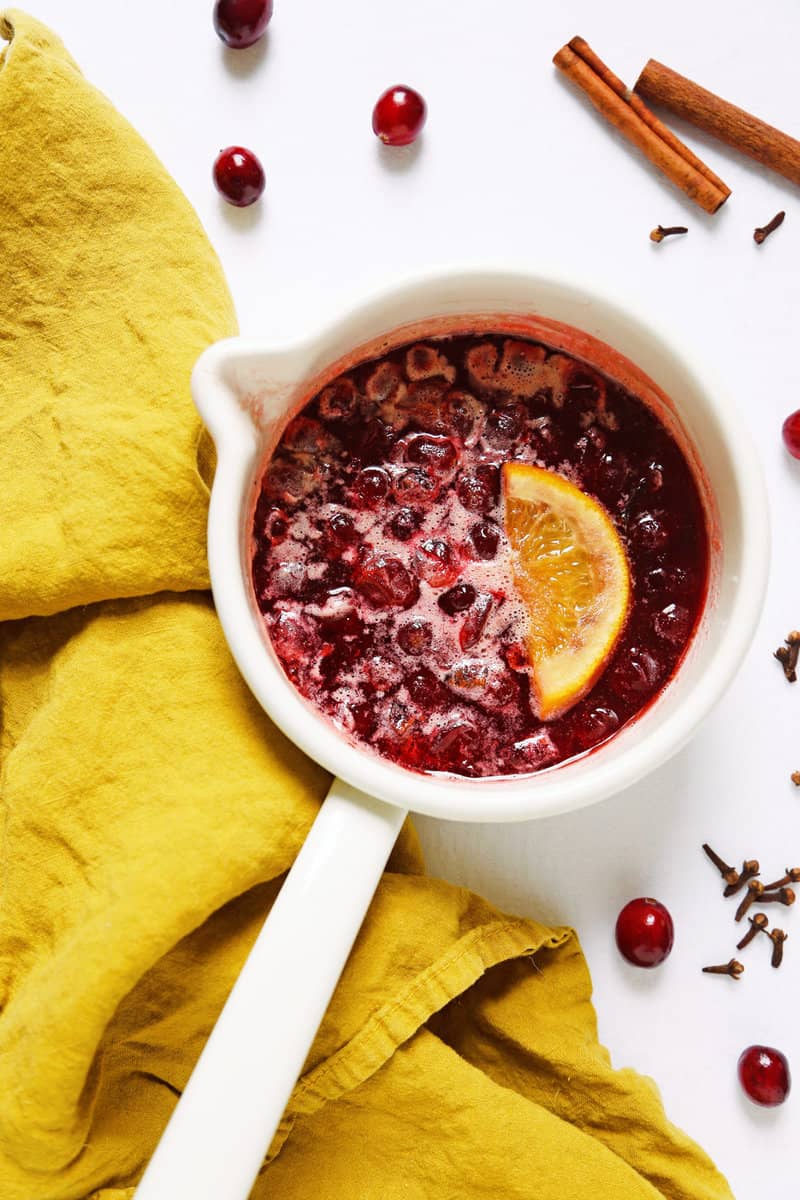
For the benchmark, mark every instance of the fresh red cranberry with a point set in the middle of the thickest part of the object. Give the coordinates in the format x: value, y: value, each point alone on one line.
x: 791, y: 434
x: 636, y: 672
x: 475, y: 622
x: 405, y: 523
x: 370, y: 486
x: 764, y: 1075
x: 415, y: 637
x: 432, y: 451
x: 239, y: 176
x: 485, y: 538
x: 645, y: 932
x: 240, y: 23
x: 457, y: 599
x: 436, y: 562
x: 399, y: 115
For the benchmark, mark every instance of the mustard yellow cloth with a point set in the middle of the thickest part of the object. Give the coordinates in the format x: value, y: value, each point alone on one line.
x: 150, y: 808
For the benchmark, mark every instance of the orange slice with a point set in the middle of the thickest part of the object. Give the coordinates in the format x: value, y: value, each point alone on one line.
x: 572, y: 572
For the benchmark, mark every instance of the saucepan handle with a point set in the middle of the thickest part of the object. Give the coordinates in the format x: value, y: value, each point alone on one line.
x: 215, y: 1142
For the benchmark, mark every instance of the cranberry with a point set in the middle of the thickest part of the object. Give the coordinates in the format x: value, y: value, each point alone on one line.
x: 344, y: 624
x: 636, y: 672
x: 415, y: 637
x: 292, y: 638
x: 239, y: 176
x: 375, y: 441
x: 432, y: 451
x: 240, y: 23
x: 485, y: 538
x: 276, y: 526
x: 791, y: 434
x: 404, y: 524
x: 764, y: 1075
x: 596, y: 726
x: 385, y: 581
x: 398, y: 116
x: 534, y: 752
x: 673, y: 624
x: 475, y: 622
x: 425, y: 689
x: 416, y: 485
x: 338, y: 531
x: 463, y: 412
x: 339, y: 401
x: 365, y: 719
x: 436, y: 562
x: 505, y: 424
x: 645, y: 932
x: 457, y: 599
x: 649, y: 532
x: 479, y: 490
x: 370, y: 486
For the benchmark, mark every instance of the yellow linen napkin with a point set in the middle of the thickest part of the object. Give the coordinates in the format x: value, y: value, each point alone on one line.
x: 150, y: 808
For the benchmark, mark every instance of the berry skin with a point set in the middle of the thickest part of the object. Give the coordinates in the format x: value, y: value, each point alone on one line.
x: 645, y: 932
x: 240, y: 23
x: 791, y: 434
x: 399, y: 115
x: 239, y: 176
x: 764, y: 1075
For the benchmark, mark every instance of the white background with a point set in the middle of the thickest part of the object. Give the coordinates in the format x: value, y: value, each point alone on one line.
x: 515, y: 167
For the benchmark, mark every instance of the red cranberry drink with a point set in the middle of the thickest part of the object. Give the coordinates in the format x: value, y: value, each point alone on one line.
x: 478, y: 556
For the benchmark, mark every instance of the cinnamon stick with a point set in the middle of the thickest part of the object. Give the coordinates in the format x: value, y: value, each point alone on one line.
x: 732, y: 125
x: 632, y: 118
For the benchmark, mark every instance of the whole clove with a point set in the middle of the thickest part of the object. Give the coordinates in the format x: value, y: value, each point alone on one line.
x: 762, y: 233
x: 787, y: 655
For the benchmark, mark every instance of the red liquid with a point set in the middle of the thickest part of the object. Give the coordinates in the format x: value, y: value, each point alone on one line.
x: 382, y: 569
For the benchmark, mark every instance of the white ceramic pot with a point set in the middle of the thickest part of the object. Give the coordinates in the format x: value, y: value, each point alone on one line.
x: 245, y: 392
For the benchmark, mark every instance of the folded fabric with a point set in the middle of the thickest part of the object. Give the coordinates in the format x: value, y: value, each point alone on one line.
x: 150, y: 808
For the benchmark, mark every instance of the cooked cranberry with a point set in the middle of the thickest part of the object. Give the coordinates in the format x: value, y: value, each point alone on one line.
x: 416, y: 486
x: 292, y: 638
x: 668, y: 579
x: 398, y: 116
x: 595, y: 726
x: 345, y: 624
x: 534, y: 752
x: 286, y: 579
x: 764, y: 1074
x: 239, y: 176
x: 649, y: 532
x: 457, y: 599
x: 645, y: 932
x: 338, y: 532
x: 791, y: 434
x: 516, y: 657
x: 436, y: 562
x: 385, y: 581
x: 365, y: 718
x: 485, y: 538
x: 479, y: 490
x: 425, y: 689
x: 636, y: 672
x: 374, y: 442
x: 339, y: 400
x: 240, y: 23
x: 504, y: 425
x: 370, y: 486
x: 276, y: 526
x: 415, y: 636
x: 475, y: 622
x: 673, y: 624
x: 405, y: 523
x: 432, y: 451
x: 463, y: 412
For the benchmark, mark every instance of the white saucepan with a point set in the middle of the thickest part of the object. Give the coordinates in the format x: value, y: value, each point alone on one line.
x: 245, y: 391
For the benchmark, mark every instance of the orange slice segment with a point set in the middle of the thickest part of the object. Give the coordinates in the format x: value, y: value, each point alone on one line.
x: 572, y: 573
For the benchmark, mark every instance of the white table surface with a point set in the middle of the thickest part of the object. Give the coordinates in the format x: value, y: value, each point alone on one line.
x: 515, y: 167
